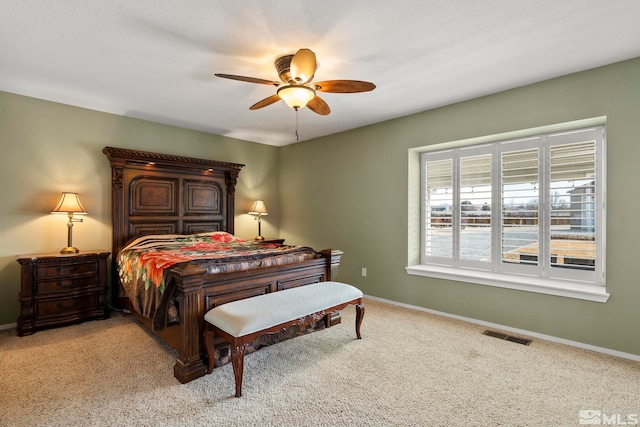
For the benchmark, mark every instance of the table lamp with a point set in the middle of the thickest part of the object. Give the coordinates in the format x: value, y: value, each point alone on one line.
x: 70, y: 204
x: 258, y: 209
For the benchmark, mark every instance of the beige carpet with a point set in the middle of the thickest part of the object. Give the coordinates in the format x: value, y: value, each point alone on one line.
x: 411, y: 369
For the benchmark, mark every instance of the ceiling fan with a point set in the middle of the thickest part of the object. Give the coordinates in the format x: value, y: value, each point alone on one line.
x: 296, y: 89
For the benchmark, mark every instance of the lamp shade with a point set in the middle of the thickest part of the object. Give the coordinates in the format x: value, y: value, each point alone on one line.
x: 69, y: 203
x: 296, y: 96
x: 258, y: 208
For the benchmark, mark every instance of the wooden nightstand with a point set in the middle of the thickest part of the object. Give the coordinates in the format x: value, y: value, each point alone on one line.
x: 61, y: 289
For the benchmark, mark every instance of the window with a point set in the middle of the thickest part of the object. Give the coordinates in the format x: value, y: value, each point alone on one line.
x: 524, y: 213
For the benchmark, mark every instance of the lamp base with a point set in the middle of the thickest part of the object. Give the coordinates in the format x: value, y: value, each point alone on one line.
x: 69, y: 250
x: 259, y: 238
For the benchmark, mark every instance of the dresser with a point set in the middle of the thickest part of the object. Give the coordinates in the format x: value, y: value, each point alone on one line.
x: 59, y: 289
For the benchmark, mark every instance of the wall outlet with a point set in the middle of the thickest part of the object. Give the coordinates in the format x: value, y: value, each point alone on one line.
x: 364, y: 272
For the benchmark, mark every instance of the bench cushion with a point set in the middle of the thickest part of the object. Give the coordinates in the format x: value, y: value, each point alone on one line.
x: 246, y: 316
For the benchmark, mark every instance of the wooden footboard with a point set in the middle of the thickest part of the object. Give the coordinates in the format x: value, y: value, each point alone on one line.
x: 197, y: 293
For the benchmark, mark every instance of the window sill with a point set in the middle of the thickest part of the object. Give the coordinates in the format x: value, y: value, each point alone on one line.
x: 563, y: 288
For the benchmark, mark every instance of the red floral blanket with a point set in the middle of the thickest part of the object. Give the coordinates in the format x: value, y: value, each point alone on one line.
x: 144, y: 264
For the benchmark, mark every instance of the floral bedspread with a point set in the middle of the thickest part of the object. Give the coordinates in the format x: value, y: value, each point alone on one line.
x: 144, y: 264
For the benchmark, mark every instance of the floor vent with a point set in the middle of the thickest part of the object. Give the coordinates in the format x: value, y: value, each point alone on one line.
x: 500, y: 335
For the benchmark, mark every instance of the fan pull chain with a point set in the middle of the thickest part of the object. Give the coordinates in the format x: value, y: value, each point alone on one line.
x: 297, y: 137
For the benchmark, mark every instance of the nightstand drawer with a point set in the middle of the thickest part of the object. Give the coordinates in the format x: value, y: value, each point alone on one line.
x: 63, y: 285
x: 66, y: 270
x: 67, y: 305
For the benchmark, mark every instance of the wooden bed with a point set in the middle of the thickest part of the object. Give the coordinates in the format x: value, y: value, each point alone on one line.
x: 164, y: 194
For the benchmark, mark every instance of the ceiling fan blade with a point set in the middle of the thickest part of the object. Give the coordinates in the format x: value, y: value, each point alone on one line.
x: 248, y: 79
x: 267, y: 101
x: 317, y: 105
x: 303, y: 66
x: 344, y: 86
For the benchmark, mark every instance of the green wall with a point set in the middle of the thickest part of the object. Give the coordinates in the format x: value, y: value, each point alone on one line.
x: 350, y: 191
x: 47, y: 148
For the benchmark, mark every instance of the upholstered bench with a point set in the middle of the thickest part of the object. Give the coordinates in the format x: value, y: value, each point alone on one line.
x: 242, y: 321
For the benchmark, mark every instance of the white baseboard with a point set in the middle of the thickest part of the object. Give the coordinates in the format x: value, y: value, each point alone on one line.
x: 8, y: 326
x: 577, y: 344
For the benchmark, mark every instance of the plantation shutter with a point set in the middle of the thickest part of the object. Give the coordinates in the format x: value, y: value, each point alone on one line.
x: 520, y: 184
x: 572, y: 222
x: 439, y: 208
x: 475, y: 208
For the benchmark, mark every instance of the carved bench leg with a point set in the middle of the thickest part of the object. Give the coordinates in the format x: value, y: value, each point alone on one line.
x: 237, y: 360
x: 359, y: 316
x: 208, y: 343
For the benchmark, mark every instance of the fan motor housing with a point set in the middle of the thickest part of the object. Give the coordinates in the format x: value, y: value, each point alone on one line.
x: 283, y: 67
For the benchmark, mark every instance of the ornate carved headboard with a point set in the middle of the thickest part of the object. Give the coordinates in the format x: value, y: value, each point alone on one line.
x: 164, y: 194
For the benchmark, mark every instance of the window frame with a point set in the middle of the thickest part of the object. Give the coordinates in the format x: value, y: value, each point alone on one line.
x: 574, y: 283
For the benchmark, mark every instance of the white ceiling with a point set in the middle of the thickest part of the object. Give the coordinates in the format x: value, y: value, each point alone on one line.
x: 156, y: 59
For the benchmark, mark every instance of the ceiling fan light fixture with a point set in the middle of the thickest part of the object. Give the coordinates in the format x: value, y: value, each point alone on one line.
x: 296, y: 88
x: 296, y: 96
